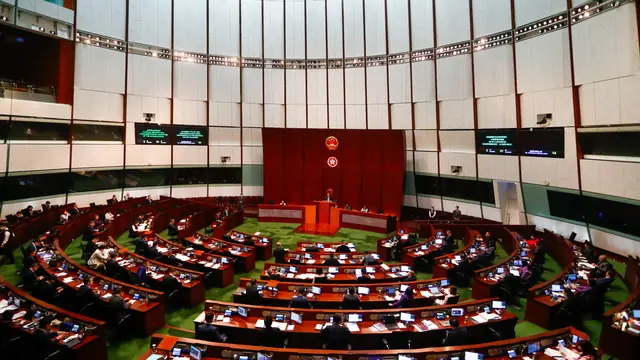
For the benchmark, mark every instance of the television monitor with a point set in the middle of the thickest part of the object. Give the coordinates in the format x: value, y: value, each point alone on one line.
x: 457, y: 312
x: 497, y: 304
x: 544, y: 142
x: 279, y: 317
x: 343, y: 257
x: 487, y: 309
x: 262, y: 356
x: 195, y: 352
x: 457, y: 258
x: 575, y: 339
x: 320, y: 246
x: 293, y: 269
x: 636, y: 314
x: 333, y: 270
x: 405, y: 268
x: 242, y: 311
x: 228, y: 312
x: 572, y: 277
x: 225, y: 260
x: 152, y: 134
x: 500, y: 270
x: 438, y: 242
x: 468, y: 355
x: 391, y: 291
x: 455, y: 358
x: 75, y: 328
x: 176, y: 351
x: 524, y: 254
x: 243, y: 357
x: 517, y: 262
x: 512, y: 354
x: 445, y: 282
x: 37, y: 314
x: 260, y: 287
x: 358, y: 272
x: 363, y: 290
x: 403, y: 287
x: 136, y: 296
x: 370, y: 270
x: 472, y: 250
x: 295, y: 317
x: 441, y: 315
x: 533, y: 348
x: 496, y: 142
x: 190, y: 135
x: 407, y: 317
x: 105, y: 287
x: 423, y: 247
x: 562, y: 342
x: 316, y: 290
x: 354, y: 318
x: 556, y: 288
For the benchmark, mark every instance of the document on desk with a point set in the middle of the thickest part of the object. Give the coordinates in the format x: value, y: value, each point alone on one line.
x: 155, y: 357
x: 107, y: 296
x: 259, y: 324
x: 419, y: 253
x: 479, y: 319
x: 182, y: 257
x: 426, y: 294
x: 430, y: 325
x: 61, y: 274
x: 319, y: 326
x: 290, y: 275
x: 379, y: 327
x: 290, y: 327
x: 384, y: 266
x: 18, y: 315
x: 312, y: 261
x: 216, y: 266
x: 392, y: 275
x: 67, y: 279
x: 353, y: 327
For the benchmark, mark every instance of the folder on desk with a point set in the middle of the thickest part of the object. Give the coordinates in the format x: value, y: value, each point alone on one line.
x: 353, y: 327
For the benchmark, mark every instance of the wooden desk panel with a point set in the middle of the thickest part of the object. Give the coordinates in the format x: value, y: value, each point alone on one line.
x: 346, y: 274
x: 263, y: 250
x: 225, y: 248
x: 281, y: 213
x: 368, y: 221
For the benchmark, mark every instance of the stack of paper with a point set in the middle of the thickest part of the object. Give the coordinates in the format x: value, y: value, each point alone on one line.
x: 479, y: 319
x: 259, y: 324
x: 426, y: 294
x: 61, y: 274
x: 430, y: 325
x: 353, y: 327
x: 182, y: 257
x: 107, y: 296
x: 67, y: 279
x: 216, y: 266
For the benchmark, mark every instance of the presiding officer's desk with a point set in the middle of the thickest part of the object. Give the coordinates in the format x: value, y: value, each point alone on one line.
x: 147, y: 312
x: 90, y: 343
x: 263, y: 244
x: 317, y: 258
x: 191, y: 282
x: 337, y: 274
x: 331, y: 295
x: 163, y: 345
x: 368, y: 221
x: 244, y: 255
x: 219, y: 269
x: 369, y: 333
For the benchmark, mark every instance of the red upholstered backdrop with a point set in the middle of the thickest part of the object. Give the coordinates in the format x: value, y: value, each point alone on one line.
x: 370, y: 167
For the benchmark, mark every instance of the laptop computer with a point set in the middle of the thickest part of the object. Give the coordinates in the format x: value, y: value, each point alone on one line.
x: 390, y: 322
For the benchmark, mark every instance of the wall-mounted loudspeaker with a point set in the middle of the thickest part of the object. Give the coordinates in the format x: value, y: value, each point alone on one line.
x: 456, y: 170
x: 149, y: 117
x: 544, y: 119
x: 225, y: 159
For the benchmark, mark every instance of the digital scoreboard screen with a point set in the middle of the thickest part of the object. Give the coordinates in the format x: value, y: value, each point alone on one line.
x: 152, y: 134
x: 190, y: 135
x: 548, y: 142
x: 496, y: 142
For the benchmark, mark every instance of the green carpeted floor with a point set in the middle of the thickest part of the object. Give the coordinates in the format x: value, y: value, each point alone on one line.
x: 183, y: 318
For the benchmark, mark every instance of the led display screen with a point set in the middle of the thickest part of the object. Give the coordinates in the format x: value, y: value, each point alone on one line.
x: 496, y: 142
x: 190, y: 135
x: 152, y: 134
x: 547, y: 142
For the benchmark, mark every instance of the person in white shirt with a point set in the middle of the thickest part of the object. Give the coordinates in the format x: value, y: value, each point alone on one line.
x: 432, y: 213
x: 282, y: 203
x: 364, y: 209
x: 449, y: 293
x: 64, y: 217
x: 108, y: 217
x: 98, y: 259
x: 5, y: 235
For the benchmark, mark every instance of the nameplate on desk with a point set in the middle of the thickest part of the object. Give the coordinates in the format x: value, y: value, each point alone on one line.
x: 280, y: 213
x: 364, y: 220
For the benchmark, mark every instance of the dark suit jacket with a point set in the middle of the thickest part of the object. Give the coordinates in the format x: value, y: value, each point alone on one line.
x: 312, y: 248
x: 252, y: 296
x: 172, y: 229
x: 589, y: 253
x: 456, y: 337
x: 169, y: 283
x: 331, y: 262
x: 208, y: 332
x: 351, y: 302
x: 118, y: 305
x: 369, y: 260
x: 271, y: 337
x: 279, y: 253
x: 300, y: 302
x: 141, y: 246
x: 336, y: 337
x: 343, y: 249
x: 86, y: 295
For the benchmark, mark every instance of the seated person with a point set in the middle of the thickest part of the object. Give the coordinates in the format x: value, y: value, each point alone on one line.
x: 312, y: 248
x: 172, y: 228
x: 608, y: 278
x: 64, y: 217
x: 586, y: 350
x: 348, y: 207
x: 343, y: 248
x: 283, y: 203
x: 170, y: 282
x: 152, y: 252
x: 350, y: 301
x: 363, y: 276
x: 300, y: 301
x: 336, y: 336
x: 449, y: 293
x: 88, y: 233
x: 98, y: 259
x: 364, y: 209
x: 320, y: 277
x: 108, y: 217
x: 457, y: 335
x: 44, y: 335
x: 98, y: 223
x: 273, y: 274
x: 532, y: 242
x: 251, y: 294
x: 117, y: 303
x: 368, y: 259
x: 75, y: 210
x: 30, y: 276
x: 601, y: 267
x: 142, y: 246
x: 270, y: 336
x: 85, y: 294
x: 148, y: 200
x: 331, y: 261
x: 46, y: 206
x: 29, y: 259
x: 588, y: 252
x: 114, y: 199
x: 207, y: 331
x: 405, y: 300
x: 411, y: 276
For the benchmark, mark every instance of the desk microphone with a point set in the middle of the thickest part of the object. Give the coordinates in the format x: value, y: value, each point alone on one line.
x: 386, y: 343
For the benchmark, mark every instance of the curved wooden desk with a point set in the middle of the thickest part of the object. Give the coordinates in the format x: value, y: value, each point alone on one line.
x: 264, y: 248
x: 317, y: 258
x: 345, y: 274
x: 244, y: 331
x: 246, y: 255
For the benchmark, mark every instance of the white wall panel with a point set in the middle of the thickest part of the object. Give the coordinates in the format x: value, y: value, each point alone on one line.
x: 149, y: 76
x: 421, y: 24
x: 456, y: 114
x: 251, y: 28
x: 99, y: 69
x: 221, y: 136
x: 274, y: 29
x: 457, y: 141
x: 376, y: 39
x: 137, y: 106
x: 274, y: 116
x: 336, y: 117
x: 615, y: 243
x: 558, y: 102
x: 23, y: 157
x: 410, y: 200
x: 611, y: 178
x: 424, y: 114
x: 334, y: 28
x: 95, y: 105
x: 553, y: 172
x: 252, y: 190
x: 226, y: 114
x: 353, y: 28
x: 189, y: 191
x: 224, y: 83
x: 189, y: 112
x: 610, y: 102
x: 493, y: 72
x: 190, y: 81
x: 296, y: 116
x: 274, y: 86
x: 294, y: 18
x: 336, y: 86
x: 531, y: 10
x: 377, y: 85
x: 102, y: 17
x: 224, y: 27
x: 377, y: 116
x: 354, y: 86
x: 498, y: 167
x: 426, y: 202
x: 491, y: 213
x: 217, y: 152
x: 226, y: 190
x: 189, y: 155
x: 295, y: 87
x: 559, y: 227
x: 426, y: 140
x: 252, y: 114
x: 466, y: 161
x: 466, y: 208
x: 497, y: 112
x: 252, y: 137
x: 252, y: 155
x: 408, y: 145
x: 356, y: 117
x: 543, y: 62
x: 95, y: 155
x: 190, y: 25
x: 401, y: 116
x: 491, y: 16
x: 316, y: 86
x: 317, y: 116
x: 424, y: 82
x: 316, y: 30
x: 426, y: 162
x: 455, y: 81
x: 150, y: 22
x: 453, y: 23
x: 148, y: 155
x: 398, y: 25
x: 399, y: 83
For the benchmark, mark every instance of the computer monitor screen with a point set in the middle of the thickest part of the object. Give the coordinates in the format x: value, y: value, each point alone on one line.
x: 562, y: 342
x: 445, y: 282
x: 354, y: 318
x: 500, y: 270
x: 320, y: 246
x: 343, y: 257
x: 358, y: 272
x: 295, y: 317
x: 362, y: 290
x: 455, y: 358
x: 308, y: 256
x: 391, y: 291
x: 636, y: 314
x: 333, y: 270
x: 496, y: 304
x: 405, y: 357
x: 370, y: 270
x: 472, y: 250
x: 136, y: 296
x: 512, y: 354
x: 575, y: 339
x: 524, y: 254
x: 457, y: 312
x: 228, y: 313
x: 572, y: 277
x: 468, y: 355
x: 262, y: 356
x: 105, y: 287
x: 316, y: 290
x: 438, y: 242
x: 195, y: 352
x: 423, y: 247
x: 405, y: 268
x: 440, y: 315
x: 517, y: 263
x: 243, y: 357
x: 556, y: 288
x: 403, y: 287
x: 279, y: 317
x: 37, y: 314
x: 533, y: 348
x: 260, y: 287
x: 293, y: 269
x: 457, y: 257
x: 242, y: 311
x: 487, y: 309
x: 176, y: 351
x: 408, y: 317
x: 376, y: 256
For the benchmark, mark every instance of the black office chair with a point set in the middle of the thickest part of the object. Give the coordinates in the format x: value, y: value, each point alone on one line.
x: 452, y: 300
x: 173, y: 299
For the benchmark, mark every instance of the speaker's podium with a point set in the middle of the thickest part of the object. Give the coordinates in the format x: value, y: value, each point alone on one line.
x: 325, y: 222
x: 323, y: 211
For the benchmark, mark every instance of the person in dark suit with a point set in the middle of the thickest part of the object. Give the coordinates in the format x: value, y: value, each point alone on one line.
x: 411, y: 276
x: 148, y: 200
x: 170, y: 283
x: 336, y: 336
x: 114, y: 199
x: 152, y: 252
x: 279, y: 253
x: 28, y: 212
x: 172, y: 228
x: 141, y: 246
x: 75, y: 210
x: 29, y: 259
x: 312, y: 248
x: 111, y: 261
x: 456, y: 214
x: 350, y: 301
x: 343, y: 248
x: 208, y: 331
x: 363, y: 277
x: 46, y: 291
x: 251, y: 294
x: 85, y: 294
x: 448, y: 244
x: 457, y: 335
x: 603, y: 266
x: 117, y: 304
x: 368, y: 259
x: 30, y: 276
x: 5, y: 236
x: 588, y: 252
x: 270, y: 336
x: 273, y: 274
x: 43, y: 335
x: 300, y: 301
x: 46, y: 206
x: 88, y: 232
x: 331, y: 261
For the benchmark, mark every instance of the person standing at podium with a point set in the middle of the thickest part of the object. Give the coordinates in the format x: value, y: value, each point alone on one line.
x: 283, y: 203
x: 364, y: 209
x: 329, y: 196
